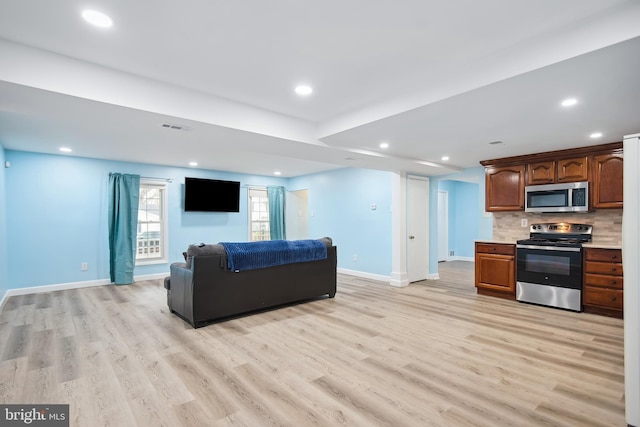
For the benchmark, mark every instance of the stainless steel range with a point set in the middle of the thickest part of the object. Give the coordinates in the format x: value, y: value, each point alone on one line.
x: 549, y: 265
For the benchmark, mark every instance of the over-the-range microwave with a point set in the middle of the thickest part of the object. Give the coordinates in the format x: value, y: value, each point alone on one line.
x: 565, y: 197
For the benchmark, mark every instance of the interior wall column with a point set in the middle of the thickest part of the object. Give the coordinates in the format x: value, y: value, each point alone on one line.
x: 630, y: 256
x: 399, y: 276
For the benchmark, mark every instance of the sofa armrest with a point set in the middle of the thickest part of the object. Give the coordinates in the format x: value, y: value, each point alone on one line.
x: 180, y: 294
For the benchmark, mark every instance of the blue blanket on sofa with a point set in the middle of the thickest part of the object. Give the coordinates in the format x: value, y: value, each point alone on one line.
x: 269, y: 253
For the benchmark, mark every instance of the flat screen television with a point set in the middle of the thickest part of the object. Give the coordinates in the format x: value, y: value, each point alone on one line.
x: 211, y: 195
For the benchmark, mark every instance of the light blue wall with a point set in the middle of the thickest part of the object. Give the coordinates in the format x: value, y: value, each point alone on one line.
x: 466, y: 219
x: 340, y: 207
x: 4, y: 284
x: 57, y: 216
x: 53, y: 216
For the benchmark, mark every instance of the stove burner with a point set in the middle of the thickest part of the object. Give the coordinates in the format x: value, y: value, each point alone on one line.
x: 571, y: 243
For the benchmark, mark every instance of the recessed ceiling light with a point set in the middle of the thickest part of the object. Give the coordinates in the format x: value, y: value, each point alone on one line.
x: 445, y: 158
x: 304, y: 90
x: 596, y: 135
x: 384, y: 145
x: 193, y: 163
x: 65, y: 149
x: 96, y: 18
x: 569, y: 102
x: 277, y: 173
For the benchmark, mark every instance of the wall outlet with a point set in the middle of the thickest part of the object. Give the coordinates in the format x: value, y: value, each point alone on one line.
x: 373, y: 207
x: 355, y: 257
x: 84, y: 266
x: 451, y: 253
x: 524, y: 222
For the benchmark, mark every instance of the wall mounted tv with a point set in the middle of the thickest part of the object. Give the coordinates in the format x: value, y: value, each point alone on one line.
x: 211, y: 195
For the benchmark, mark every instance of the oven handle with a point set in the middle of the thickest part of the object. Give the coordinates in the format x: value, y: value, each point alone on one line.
x: 549, y: 248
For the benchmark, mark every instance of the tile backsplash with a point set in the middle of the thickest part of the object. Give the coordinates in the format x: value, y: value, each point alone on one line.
x: 607, y: 224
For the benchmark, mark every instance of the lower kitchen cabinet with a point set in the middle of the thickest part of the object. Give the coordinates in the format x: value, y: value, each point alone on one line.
x: 495, y: 269
x: 603, y: 282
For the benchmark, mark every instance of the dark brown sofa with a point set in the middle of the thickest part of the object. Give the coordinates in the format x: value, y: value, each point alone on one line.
x: 203, y: 289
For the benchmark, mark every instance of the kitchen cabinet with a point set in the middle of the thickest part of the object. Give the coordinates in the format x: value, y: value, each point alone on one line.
x: 601, y: 165
x: 603, y: 282
x: 495, y: 269
x: 573, y: 170
x: 607, y: 181
x: 505, y: 188
x: 556, y: 171
x: 541, y: 173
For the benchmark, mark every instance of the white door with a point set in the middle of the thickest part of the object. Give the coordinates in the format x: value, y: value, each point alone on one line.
x: 443, y: 225
x: 417, y: 229
x: 297, y: 215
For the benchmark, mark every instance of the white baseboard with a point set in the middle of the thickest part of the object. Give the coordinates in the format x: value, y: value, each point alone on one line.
x: 363, y: 274
x: 434, y: 276
x: 73, y: 285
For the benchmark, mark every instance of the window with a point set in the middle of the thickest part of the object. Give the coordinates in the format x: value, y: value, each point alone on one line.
x: 151, y: 247
x: 258, y: 214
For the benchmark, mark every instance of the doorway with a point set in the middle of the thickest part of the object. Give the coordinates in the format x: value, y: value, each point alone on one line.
x: 297, y: 215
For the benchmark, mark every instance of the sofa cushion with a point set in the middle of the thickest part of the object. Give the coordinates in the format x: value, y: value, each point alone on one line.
x: 202, y: 249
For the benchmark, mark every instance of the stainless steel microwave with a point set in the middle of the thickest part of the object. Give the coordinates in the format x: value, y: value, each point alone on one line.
x: 566, y: 197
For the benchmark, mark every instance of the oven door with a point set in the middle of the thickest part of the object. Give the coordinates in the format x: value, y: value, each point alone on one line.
x: 549, y: 265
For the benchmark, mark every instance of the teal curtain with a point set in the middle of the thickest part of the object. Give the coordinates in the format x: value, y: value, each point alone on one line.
x: 276, y: 212
x: 124, y: 195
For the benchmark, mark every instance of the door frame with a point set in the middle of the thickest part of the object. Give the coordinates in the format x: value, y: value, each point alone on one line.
x: 443, y: 229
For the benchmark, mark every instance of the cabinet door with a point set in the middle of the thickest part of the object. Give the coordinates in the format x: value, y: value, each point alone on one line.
x: 607, y: 180
x: 541, y: 173
x: 495, y: 272
x: 573, y: 170
x: 505, y: 189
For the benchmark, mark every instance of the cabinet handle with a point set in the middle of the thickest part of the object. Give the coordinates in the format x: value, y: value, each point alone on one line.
x: 613, y: 298
x: 614, y: 269
x: 613, y: 282
x: 614, y: 256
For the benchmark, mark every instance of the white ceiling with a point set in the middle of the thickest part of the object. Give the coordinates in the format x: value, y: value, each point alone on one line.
x: 431, y: 78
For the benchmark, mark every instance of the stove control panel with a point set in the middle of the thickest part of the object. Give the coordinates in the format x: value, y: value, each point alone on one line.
x: 561, y: 228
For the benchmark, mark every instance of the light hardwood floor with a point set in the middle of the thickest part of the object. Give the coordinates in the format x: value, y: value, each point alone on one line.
x: 433, y: 353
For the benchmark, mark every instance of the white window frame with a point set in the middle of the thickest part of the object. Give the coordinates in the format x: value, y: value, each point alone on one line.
x: 164, y: 220
x: 250, y: 192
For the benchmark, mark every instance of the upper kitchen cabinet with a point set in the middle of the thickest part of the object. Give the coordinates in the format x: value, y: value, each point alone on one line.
x: 505, y: 188
x: 562, y: 170
x: 541, y: 173
x: 600, y: 165
x: 607, y: 181
x: 573, y: 170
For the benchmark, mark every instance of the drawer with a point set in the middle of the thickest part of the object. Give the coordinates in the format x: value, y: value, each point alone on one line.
x: 612, y: 268
x: 604, y: 281
x: 607, y: 298
x: 487, y: 248
x: 604, y: 255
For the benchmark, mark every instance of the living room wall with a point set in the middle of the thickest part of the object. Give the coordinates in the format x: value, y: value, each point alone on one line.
x: 56, y: 216
x: 340, y: 207
x: 3, y: 227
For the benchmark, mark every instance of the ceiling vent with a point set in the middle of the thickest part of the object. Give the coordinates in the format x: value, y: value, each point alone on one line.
x: 175, y: 127
x: 495, y: 142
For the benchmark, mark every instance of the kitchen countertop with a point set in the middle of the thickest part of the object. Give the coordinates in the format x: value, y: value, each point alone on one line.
x: 601, y: 245
x: 493, y: 242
